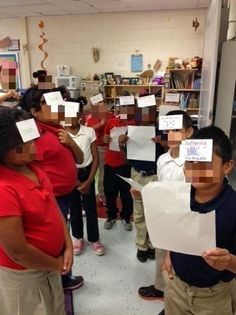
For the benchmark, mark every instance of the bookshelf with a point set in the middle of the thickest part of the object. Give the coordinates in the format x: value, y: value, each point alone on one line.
x: 186, y: 83
x: 113, y: 92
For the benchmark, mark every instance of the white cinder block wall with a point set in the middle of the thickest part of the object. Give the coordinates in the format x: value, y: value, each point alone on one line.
x: 157, y: 35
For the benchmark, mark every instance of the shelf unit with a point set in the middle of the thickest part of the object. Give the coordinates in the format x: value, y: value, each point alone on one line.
x: 186, y: 82
x: 113, y: 92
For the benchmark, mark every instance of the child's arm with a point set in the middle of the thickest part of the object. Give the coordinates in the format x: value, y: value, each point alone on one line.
x: 68, y: 256
x: 13, y: 241
x: 136, y: 194
x: 66, y: 139
x: 84, y: 187
x: 220, y: 259
x: 167, y: 265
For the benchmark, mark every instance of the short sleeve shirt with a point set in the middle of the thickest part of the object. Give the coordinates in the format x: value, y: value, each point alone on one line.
x: 35, y: 204
x: 84, y: 138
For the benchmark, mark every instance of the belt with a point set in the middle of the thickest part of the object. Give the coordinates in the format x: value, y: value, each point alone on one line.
x: 84, y: 169
x: 147, y: 173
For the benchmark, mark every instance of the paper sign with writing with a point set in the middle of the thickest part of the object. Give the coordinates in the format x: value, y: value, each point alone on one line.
x: 53, y: 98
x: 126, y: 100
x: 146, y: 101
x: 197, y: 150
x: 28, y: 129
x: 96, y: 99
x: 170, y: 122
x: 71, y: 109
x: 172, y: 97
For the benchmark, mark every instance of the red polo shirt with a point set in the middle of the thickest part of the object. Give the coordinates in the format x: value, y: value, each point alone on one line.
x: 115, y: 158
x: 55, y: 159
x: 91, y: 121
x: 35, y: 204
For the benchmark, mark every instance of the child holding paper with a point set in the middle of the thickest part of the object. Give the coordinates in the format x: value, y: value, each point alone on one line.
x: 202, y: 285
x: 35, y: 244
x: 116, y: 163
x: 169, y: 168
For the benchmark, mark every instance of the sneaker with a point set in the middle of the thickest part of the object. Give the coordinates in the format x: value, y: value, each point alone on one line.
x: 72, y: 282
x: 98, y: 248
x: 109, y: 223
x: 78, y: 246
x: 151, y: 253
x: 150, y: 293
x: 142, y: 255
x: 128, y: 225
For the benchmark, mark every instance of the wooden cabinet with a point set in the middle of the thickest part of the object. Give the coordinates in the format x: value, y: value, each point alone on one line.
x: 112, y: 92
x: 186, y: 83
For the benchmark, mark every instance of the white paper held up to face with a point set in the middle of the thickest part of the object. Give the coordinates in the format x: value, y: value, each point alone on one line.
x: 28, y: 129
x: 170, y: 122
x: 170, y: 222
x: 196, y: 150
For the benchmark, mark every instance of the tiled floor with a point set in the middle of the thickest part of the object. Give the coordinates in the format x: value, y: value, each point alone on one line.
x: 112, y: 280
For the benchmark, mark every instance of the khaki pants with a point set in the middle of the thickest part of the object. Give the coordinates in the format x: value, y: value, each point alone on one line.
x: 142, y: 239
x: 30, y: 292
x: 181, y: 299
x: 160, y: 281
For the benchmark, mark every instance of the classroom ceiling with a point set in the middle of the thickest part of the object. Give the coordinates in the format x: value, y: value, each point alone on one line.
x: 22, y: 8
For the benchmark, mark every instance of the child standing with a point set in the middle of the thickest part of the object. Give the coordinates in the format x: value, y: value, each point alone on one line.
x: 85, y: 192
x: 202, y: 285
x: 35, y: 244
x: 55, y: 148
x: 116, y: 163
x: 169, y: 168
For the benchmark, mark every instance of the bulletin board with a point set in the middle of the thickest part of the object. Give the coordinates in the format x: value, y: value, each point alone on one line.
x: 12, y: 57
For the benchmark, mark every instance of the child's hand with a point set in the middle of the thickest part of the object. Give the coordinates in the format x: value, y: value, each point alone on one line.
x: 68, y: 259
x: 64, y: 137
x: 84, y: 187
x: 218, y: 258
x: 60, y: 261
x: 123, y: 139
x: 135, y: 194
x: 106, y: 139
x: 157, y: 139
x: 167, y: 265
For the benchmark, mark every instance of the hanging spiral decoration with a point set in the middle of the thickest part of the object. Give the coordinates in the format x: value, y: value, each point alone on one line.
x: 41, y: 25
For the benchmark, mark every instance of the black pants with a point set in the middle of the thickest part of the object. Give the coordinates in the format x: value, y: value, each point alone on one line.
x: 113, y: 186
x: 89, y: 203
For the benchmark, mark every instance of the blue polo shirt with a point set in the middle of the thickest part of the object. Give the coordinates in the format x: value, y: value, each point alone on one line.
x: 193, y: 269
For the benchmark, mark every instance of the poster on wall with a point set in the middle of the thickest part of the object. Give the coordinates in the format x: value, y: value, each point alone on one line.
x: 137, y: 63
x: 10, y: 71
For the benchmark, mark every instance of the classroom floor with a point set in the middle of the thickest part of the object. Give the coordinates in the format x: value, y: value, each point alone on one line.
x: 112, y: 280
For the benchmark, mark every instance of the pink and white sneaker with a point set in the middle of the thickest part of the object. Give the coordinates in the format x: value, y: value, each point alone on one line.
x: 98, y: 248
x: 78, y: 246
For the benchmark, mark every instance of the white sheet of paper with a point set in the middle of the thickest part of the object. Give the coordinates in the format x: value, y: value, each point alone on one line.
x: 126, y: 100
x: 196, y: 150
x: 96, y: 98
x: 170, y: 222
x: 172, y: 97
x: 71, y: 109
x: 170, y: 122
x: 114, y: 134
x: 146, y: 101
x: 140, y: 145
x: 28, y: 129
x: 54, y: 99
x: 132, y: 183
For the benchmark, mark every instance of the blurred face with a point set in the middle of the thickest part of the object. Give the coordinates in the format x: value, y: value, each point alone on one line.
x: 99, y: 110
x: 47, y: 115
x: 176, y: 136
x: 127, y: 112
x: 21, y: 155
x: 205, y: 174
